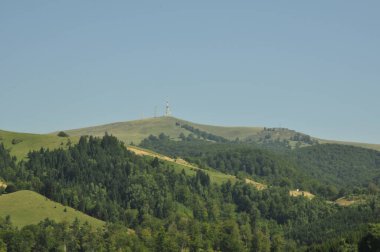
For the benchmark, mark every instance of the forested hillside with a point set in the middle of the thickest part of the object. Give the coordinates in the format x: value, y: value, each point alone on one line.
x: 330, y: 170
x: 344, y: 166
x: 170, y: 210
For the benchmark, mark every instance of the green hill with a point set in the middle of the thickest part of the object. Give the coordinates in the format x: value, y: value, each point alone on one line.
x: 28, y: 207
x: 21, y: 143
x: 136, y: 131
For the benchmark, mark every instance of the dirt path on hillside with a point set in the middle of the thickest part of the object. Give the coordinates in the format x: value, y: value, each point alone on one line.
x: 141, y: 152
x: 257, y: 185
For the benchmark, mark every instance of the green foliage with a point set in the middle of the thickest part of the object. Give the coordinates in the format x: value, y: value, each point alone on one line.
x: 371, y: 241
x: 329, y: 170
x: 48, y: 235
x: 16, y: 141
x: 240, y: 159
x: 200, y: 134
x: 172, y: 211
x: 10, y: 188
x: 62, y: 134
x: 5, y: 158
x: 340, y: 165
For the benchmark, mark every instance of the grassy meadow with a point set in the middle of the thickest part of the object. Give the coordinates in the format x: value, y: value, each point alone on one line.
x: 21, y: 143
x: 28, y: 207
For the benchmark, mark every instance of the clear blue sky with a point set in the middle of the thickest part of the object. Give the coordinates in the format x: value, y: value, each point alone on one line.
x: 312, y: 66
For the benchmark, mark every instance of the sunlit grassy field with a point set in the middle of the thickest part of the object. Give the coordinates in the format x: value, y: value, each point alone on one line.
x: 21, y: 143
x: 28, y: 207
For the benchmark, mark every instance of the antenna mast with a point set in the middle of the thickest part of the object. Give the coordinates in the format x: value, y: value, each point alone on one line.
x: 167, y: 109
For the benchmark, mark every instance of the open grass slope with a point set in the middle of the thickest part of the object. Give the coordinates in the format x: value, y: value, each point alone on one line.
x: 352, y: 200
x: 21, y: 143
x: 136, y: 131
x: 28, y: 207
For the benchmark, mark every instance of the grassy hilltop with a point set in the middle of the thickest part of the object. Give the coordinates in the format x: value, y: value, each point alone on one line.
x: 135, y: 131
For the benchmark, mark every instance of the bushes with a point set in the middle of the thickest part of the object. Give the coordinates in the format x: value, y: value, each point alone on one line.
x: 16, y: 141
x: 10, y: 188
x: 62, y: 134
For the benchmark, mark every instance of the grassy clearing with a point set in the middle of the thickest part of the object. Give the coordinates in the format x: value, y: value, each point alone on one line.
x: 21, y: 143
x: 350, y: 200
x: 259, y: 186
x: 297, y: 193
x: 144, y: 152
x: 28, y: 207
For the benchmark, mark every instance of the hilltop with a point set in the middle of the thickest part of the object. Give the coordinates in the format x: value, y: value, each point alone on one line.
x: 28, y: 207
x: 137, y: 130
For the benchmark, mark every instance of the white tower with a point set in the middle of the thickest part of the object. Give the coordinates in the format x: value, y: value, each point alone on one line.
x: 167, y: 109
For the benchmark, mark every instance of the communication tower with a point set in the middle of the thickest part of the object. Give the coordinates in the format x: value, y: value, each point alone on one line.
x: 167, y: 109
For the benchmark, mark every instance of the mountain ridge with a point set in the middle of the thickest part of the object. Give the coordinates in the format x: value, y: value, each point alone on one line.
x: 136, y: 130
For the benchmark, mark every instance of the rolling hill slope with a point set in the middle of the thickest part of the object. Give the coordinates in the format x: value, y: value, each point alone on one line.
x: 133, y: 131
x: 136, y: 131
x: 28, y: 207
x: 21, y: 143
